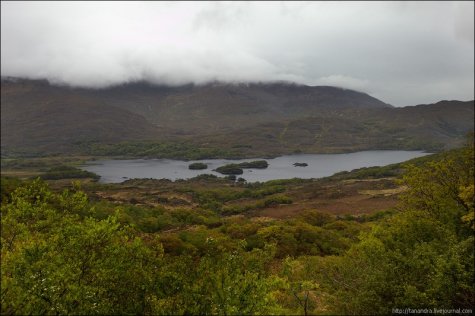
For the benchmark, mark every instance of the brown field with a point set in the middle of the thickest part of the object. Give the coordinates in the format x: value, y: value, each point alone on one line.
x: 22, y: 174
x: 342, y: 197
x: 337, y: 197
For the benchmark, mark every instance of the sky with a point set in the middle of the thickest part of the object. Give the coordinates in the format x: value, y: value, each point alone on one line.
x: 403, y: 53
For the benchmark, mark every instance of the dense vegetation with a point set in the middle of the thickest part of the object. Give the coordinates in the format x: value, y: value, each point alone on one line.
x: 68, y: 172
x: 256, y: 164
x: 171, y: 150
x: 232, y: 169
x: 71, y: 251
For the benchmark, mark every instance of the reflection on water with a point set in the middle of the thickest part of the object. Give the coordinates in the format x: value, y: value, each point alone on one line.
x: 318, y: 166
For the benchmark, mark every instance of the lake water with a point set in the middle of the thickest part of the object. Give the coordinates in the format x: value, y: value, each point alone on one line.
x: 319, y: 165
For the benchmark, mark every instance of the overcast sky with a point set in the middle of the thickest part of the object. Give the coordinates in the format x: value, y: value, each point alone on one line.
x: 402, y: 53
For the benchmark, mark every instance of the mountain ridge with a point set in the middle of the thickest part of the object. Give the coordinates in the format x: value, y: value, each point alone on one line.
x: 277, y: 117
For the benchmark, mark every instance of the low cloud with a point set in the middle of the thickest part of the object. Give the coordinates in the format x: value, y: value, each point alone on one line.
x: 344, y: 82
x: 398, y: 52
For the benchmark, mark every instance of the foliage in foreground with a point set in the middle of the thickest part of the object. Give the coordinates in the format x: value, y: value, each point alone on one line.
x: 57, y: 261
x: 423, y: 257
x: 60, y: 255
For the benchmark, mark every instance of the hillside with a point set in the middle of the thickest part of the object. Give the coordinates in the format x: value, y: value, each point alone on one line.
x: 252, y: 119
x: 38, y: 117
x: 443, y: 125
x: 217, y: 107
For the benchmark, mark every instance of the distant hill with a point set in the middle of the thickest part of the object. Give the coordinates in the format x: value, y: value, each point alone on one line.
x: 433, y: 127
x: 215, y: 107
x: 259, y: 118
x: 37, y: 117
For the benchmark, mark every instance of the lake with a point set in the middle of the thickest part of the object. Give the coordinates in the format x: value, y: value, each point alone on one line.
x: 319, y: 165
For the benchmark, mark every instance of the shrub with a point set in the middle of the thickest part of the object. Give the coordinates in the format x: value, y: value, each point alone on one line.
x: 277, y: 199
x: 68, y: 172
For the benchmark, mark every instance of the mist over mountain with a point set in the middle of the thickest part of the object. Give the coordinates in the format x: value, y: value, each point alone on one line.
x: 219, y: 106
x: 351, y: 45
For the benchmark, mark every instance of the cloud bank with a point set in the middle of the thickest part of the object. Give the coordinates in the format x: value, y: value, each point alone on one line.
x: 403, y: 53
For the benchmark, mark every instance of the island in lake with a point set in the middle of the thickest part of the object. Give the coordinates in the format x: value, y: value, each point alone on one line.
x: 198, y: 166
x: 236, y: 168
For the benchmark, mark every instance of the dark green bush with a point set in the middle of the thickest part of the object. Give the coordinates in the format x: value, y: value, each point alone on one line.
x: 68, y: 172
x: 257, y: 164
x: 229, y: 169
x: 198, y: 166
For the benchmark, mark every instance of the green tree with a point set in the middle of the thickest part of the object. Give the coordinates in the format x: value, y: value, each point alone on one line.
x: 421, y: 257
x: 299, y: 284
x: 225, y: 281
x: 56, y: 262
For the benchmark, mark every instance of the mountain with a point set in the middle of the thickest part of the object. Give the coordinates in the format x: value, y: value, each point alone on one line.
x: 268, y: 118
x: 432, y: 127
x: 36, y: 117
x: 192, y: 109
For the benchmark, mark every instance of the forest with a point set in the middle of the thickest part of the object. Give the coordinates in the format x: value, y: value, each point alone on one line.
x: 203, y: 246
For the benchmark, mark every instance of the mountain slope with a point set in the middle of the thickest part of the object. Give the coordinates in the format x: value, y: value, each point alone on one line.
x: 215, y: 107
x: 437, y: 126
x: 39, y: 117
x: 254, y: 119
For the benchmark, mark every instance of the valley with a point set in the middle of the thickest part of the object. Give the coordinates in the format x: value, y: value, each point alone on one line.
x: 237, y: 158
x: 260, y: 236
x: 299, y: 222
x: 177, y: 242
